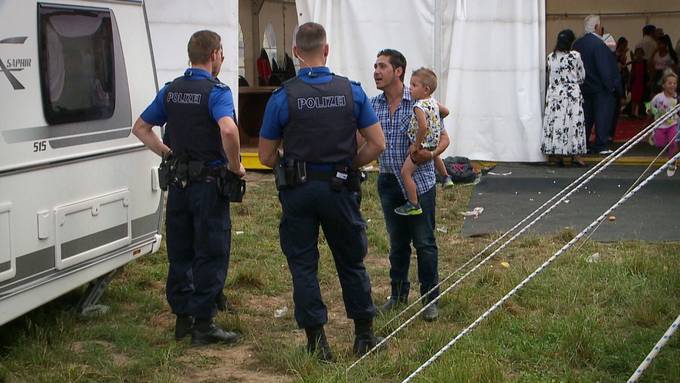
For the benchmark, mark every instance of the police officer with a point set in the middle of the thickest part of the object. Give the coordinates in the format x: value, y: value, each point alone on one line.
x: 317, y: 115
x: 202, y: 136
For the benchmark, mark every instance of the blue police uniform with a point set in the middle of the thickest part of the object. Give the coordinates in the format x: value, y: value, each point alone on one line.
x: 317, y: 114
x: 198, y: 223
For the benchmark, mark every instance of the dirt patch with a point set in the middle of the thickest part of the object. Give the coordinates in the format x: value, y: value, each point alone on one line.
x: 231, y: 364
x: 118, y: 359
x: 267, y: 306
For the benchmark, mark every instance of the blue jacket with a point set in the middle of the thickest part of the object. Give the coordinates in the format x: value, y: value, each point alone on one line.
x: 602, y: 73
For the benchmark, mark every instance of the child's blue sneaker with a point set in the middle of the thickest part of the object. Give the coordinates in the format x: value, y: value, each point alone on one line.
x: 408, y: 209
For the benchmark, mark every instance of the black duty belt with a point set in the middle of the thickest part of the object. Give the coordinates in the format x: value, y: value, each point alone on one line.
x: 315, y: 175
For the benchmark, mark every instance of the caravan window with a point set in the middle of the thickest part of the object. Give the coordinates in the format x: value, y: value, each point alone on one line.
x: 76, y: 63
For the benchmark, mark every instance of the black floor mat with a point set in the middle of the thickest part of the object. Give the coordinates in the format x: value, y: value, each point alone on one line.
x: 652, y: 214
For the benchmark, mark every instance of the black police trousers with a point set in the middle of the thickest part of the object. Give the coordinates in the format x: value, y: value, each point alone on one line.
x: 198, y: 229
x: 306, y: 208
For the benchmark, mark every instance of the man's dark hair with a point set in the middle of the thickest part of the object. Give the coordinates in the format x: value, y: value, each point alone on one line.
x: 397, y: 60
x: 648, y: 29
x: 201, y: 45
x: 310, y: 37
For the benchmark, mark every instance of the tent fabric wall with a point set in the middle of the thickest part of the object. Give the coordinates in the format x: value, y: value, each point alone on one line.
x: 496, y: 79
x: 488, y: 55
x: 172, y: 22
x: 357, y: 30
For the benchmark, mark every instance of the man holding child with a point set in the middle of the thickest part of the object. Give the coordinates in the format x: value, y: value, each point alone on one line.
x: 394, y: 108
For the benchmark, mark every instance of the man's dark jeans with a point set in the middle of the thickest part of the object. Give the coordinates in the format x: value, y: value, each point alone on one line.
x: 404, y: 230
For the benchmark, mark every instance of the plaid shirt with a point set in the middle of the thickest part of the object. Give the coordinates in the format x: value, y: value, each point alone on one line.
x: 397, y: 142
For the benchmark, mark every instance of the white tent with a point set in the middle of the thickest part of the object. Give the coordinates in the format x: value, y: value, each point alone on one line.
x: 489, y: 55
x: 172, y: 22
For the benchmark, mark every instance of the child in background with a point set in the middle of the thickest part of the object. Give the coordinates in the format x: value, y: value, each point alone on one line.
x: 638, y: 78
x: 666, y: 133
x: 424, y: 132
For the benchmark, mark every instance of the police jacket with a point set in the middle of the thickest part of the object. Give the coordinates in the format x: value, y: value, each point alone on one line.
x: 191, y: 130
x: 322, y: 127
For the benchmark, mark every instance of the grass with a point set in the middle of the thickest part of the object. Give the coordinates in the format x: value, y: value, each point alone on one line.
x: 576, y: 322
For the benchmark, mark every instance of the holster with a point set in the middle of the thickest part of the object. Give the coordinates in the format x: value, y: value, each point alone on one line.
x: 173, y: 170
x: 164, y: 176
x: 231, y: 186
x: 289, y: 173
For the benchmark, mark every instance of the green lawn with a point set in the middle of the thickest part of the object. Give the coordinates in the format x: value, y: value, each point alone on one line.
x: 576, y: 322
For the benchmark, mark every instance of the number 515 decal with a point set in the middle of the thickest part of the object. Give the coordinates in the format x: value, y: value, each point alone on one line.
x: 39, y: 146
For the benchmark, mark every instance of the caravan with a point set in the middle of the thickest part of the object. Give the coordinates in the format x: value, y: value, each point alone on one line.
x: 79, y: 195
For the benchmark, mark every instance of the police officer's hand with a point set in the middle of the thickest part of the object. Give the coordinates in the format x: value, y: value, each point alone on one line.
x: 422, y: 156
x: 241, y: 171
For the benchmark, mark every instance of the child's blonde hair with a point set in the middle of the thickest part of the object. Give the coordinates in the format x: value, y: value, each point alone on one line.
x: 668, y: 74
x: 427, y: 77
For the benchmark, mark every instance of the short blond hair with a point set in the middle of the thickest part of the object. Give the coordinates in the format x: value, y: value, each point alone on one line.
x: 668, y: 74
x: 427, y: 77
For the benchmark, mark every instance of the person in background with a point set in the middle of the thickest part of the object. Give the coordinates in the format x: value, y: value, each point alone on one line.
x: 639, y: 77
x: 667, y: 132
x: 672, y: 52
x: 564, y: 133
x: 621, y: 53
x: 658, y: 33
x: 648, y: 42
x: 661, y: 60
x: 602, y: 84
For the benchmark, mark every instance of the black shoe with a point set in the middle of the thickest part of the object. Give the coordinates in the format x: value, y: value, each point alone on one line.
x: 431, y: 313
x: 365, y: 342
x: 318, y: 344
x: 391, y: 304
x: 212, y: 334
x: 183, y: 326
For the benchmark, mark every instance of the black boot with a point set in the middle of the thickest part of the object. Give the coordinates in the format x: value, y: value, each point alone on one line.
x: 318, y: 344
x: 365, y: 339
x: 431, y: 313
x: 206, y: 332
x: 392, y: 303
x: 183, y: 326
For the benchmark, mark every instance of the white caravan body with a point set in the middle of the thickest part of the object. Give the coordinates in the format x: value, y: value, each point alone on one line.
x: 79, y: 194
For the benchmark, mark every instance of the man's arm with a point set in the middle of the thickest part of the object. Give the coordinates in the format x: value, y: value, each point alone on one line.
x: 144, y: 131
x: 375, y: 144
x: 231, y: 145
x: 424, y: 155
x: 267, y: 151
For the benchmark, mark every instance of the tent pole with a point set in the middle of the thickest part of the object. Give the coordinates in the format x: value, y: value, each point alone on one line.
x: 566, y: 15
x: 437, y: 59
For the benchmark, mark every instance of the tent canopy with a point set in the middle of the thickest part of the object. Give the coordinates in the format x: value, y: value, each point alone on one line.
x: 488, y: 55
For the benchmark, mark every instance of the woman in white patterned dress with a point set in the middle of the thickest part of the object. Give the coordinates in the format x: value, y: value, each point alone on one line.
x: 564, y: 134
